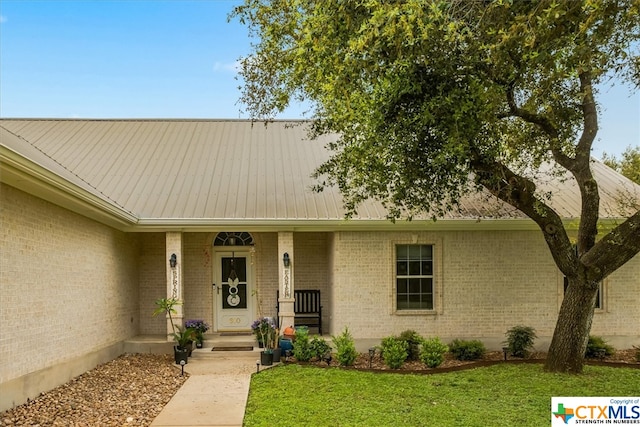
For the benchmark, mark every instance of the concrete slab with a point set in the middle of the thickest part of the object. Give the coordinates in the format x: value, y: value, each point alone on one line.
x: 215, y: 393
x: 207, y: 400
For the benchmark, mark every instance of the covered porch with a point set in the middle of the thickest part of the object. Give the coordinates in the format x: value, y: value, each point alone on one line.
x: 229, y: 278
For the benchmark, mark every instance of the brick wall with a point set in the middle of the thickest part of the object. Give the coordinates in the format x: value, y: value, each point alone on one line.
x: 153, y: 282
x: 266, y: 264
x: 197, y: 276
x: 312, y: 267
x: 69, y: 285
x: 486, y: 282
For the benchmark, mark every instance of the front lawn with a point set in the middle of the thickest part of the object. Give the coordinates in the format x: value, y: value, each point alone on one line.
x: 499, y: 395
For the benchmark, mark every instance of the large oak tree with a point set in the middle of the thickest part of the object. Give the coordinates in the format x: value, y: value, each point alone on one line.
x: 628, y: 165
x: 431, y: 99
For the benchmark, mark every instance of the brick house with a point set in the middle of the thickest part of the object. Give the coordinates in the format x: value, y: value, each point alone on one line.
x: 93, y: 210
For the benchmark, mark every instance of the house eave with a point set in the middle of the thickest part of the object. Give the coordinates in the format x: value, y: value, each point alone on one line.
x: 25, y: 175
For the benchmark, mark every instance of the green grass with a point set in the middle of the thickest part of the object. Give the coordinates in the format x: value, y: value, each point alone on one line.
x: 500, y: 395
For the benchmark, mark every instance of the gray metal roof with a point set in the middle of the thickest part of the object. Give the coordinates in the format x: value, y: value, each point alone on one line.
x: 177, y: 171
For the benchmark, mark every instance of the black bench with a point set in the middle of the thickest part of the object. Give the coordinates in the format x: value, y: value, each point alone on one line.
x: 306, y: 307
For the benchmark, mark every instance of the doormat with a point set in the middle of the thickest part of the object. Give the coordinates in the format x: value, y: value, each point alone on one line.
x: 235, y: 334
x: 240, y: 348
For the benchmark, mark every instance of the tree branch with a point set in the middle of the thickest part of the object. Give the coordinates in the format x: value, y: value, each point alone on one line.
x: 614, y: 249
x: 581, y: 170
x: 590, y: 114
x: 541, y: 121
x: 520, y: 193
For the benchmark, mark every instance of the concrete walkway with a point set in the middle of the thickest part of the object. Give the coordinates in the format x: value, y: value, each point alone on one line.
x: 215, y: 395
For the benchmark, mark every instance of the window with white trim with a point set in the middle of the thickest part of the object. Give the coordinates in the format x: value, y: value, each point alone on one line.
x: 598, y: 305
x: 414, y: 277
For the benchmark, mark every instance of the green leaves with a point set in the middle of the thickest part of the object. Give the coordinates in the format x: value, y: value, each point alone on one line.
x: 628, y: 165
x: 422, y: 92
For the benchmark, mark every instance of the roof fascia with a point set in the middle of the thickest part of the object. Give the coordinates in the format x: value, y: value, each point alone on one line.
x: 336, y: 225
x: 266, y: 225
x: 27, y: 176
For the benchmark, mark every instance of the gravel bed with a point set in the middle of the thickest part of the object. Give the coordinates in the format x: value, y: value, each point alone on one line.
x: 128, y: 391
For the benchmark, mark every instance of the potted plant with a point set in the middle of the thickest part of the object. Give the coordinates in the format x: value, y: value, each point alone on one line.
x: 260, y: 327
x: 184, y: 339
x: 200, y: 327
x: 277, y: 352
x: 265, y: 331
x: 166, y: 305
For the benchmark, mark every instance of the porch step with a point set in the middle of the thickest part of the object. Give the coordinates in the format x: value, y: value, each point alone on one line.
x: 230, y: 343
x: 159, y: 344
x: 207, y: 353
x: 226, y: 346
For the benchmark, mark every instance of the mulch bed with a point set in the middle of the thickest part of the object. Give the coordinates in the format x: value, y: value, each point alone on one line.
x: 621, y: 358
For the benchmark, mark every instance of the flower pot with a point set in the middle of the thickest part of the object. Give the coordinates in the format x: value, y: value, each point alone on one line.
x: 181, y: 355
x: 199, y: 344
x: 266, y: 358
x: 285, y: 344
x: 189, y: 348
x: 277, y: 352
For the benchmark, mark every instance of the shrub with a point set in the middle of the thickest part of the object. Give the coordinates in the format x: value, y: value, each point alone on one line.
x: 302, y: 346
x: 467, y: 350
x: 394, y: 351
x: 319, y: 347
x: 520, y: 340
x: 432, y: 353
x: 595, y: 345
x: 386, y: 342
x: 637, y: 353
x: 413, y: 340
x: 345, y: 348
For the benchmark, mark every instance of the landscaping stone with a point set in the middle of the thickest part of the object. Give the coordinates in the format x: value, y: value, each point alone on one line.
x: 130, y: 390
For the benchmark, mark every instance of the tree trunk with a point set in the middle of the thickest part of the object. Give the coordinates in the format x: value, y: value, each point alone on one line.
x: 569, y: 343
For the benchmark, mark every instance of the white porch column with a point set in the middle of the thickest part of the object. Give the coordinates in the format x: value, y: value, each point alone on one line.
x: 173, y: 245
x: 285, y: 279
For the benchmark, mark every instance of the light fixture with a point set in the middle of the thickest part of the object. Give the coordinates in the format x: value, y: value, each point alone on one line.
x: 232, y: 239
x: 372, y: 352
x: 504, y: 351
x: 327, y: 358
x: 286, y: 260
x: 173, y: 260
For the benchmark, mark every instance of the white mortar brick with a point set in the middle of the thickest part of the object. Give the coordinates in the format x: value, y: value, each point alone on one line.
x: 488, y: 282
x: 68, y: 285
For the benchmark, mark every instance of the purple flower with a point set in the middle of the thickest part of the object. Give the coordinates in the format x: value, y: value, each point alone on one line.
x: 199, y: 325
x: 262, y: 324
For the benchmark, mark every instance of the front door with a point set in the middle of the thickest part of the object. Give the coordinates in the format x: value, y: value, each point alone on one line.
x: 234, y: 291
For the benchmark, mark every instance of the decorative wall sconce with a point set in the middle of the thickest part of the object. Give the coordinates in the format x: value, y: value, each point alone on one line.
x: 173, y: 260
x: 286, y: 260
